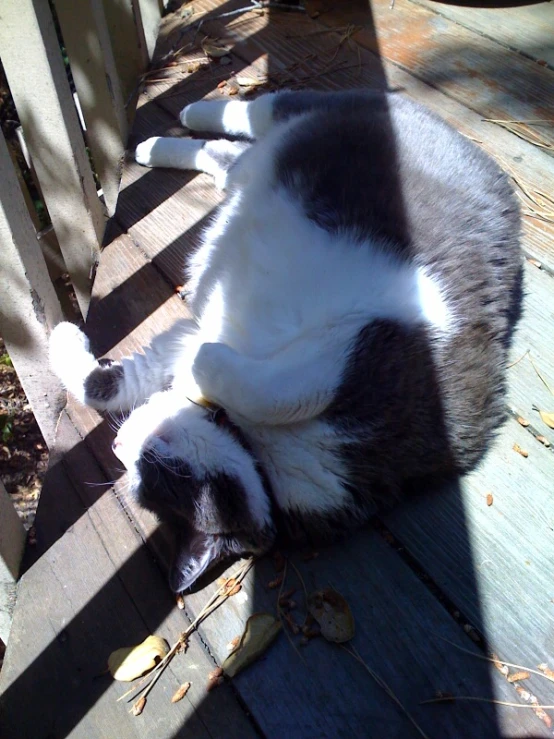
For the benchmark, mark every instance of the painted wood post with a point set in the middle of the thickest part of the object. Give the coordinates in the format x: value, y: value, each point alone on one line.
x: 150, y: 16
x: 12, y: 544
x: 128, y: 44
x: 34, y: 67
x: 88, y: 44
x: 29, y: 306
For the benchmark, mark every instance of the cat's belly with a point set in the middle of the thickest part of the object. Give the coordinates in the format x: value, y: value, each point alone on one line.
x: 268, y: 277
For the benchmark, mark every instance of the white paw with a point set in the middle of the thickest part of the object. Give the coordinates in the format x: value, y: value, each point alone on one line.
x: 143, y: 152
x: 70, y: 357
x: 203, y: 116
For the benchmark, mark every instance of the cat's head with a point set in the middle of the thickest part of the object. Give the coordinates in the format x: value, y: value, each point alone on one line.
x: 199, y: 478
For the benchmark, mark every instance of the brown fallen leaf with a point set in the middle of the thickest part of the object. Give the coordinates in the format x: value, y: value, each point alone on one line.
x: 547, y: 418
x: 523, y: 421
x: 272, y: 584
x: 215, y: 49
x: 543, y: 667
x: 180, y: 601
x: 235, y: 589
x: 180, y: 693
x: 260, y: 632
x: 521, y: 451
x: 543, y: 440
x: 138, y: 706
x: 333, y: 614
x: 128, y: 663
x: 490, y: 499
x: 517, y: 676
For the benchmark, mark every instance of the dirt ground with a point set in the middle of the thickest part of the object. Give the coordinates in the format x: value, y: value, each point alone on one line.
x: 23, y: 453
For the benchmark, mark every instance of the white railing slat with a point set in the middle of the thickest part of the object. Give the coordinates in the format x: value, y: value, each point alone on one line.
x: 29, y: 305
x: 88, y: 44
x: 12, y: 544
x: 38, y: 82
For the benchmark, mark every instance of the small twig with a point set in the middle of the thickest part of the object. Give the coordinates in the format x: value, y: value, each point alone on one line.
x: 541, y: 378
x: 219, y: 597
x: 517, y: 361
x: 448, y: 698
x: 494, y: 661
x: 354, y: 653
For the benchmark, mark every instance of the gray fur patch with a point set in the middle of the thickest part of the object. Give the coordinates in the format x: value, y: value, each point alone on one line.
x: 103, y: 382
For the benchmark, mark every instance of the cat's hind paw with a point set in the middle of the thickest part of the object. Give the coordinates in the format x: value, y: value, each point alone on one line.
x: 144, y: 152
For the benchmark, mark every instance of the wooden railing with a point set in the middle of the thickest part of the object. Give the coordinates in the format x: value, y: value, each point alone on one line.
x: 108, y: 45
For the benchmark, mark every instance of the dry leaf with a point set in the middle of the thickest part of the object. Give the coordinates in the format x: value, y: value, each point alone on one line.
x: 250, y: 82
x: 128, y: 663
x: 543, y: 440
x: 547, y: 418
x: 215, y: 674
x: 517, y: 676
x: 180, y: 602
x: 180, y: 693
x: 138, y: 707
x: 233, y: 644
x: 234, y: 590
x: 215, y: 49
x: 521, y: 451
x: 490, y: 499
x: 547, y: 671
x: 333, y: 615
x: 260, y: 632
x: 523, y: 421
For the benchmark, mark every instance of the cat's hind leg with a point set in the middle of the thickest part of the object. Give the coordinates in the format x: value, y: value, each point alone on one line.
x: 252, y: 118
x: 115, y: 386
x: 213, y: 157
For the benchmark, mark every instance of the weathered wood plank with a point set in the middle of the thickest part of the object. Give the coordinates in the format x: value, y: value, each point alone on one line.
x: 12, y: 544
x: 29, y: 303
x: 535, y: 334
x: 510, y: 543
x: 88, y: 44
x: 525, y: 28
x: 53, y: 135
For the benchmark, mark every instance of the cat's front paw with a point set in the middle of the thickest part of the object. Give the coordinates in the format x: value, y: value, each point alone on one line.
x: 213, y: 370
x: 70, y: 357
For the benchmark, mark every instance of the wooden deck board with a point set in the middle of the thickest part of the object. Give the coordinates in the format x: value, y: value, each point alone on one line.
x: 493, y: 563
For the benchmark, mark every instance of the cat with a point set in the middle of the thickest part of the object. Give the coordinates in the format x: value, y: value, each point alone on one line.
x: 353, y: 304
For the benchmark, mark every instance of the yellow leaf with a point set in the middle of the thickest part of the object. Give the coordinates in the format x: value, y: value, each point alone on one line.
x: 548, y: 418
x: 261, y: 630
x: 128, y: 663
x: 333, y: 615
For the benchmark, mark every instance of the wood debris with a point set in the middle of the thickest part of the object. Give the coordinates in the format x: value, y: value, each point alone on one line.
x: 521, y: 451
x: 180, y: 693
x: 517, y: 676
x: 490, y: 499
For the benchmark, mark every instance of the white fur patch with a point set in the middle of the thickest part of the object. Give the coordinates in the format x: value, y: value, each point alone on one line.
x: 177, y: 153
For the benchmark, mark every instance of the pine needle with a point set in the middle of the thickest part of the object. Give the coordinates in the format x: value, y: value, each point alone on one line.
x: 494, y: 661
x: 451, y: 698
x: 354, y: 653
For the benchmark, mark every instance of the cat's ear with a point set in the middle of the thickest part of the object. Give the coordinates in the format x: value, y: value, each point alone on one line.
x: 194, y: 552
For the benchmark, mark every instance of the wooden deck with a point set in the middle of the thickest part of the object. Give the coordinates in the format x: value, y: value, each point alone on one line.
x: 429, y: 581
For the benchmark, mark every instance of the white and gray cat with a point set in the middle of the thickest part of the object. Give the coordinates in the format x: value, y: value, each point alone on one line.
x: 353, y: 303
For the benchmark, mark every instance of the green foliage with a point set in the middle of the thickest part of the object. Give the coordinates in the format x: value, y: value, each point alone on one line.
x: 6, y: 361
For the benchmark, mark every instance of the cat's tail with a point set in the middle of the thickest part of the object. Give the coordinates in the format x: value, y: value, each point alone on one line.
x: 110, y: 385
